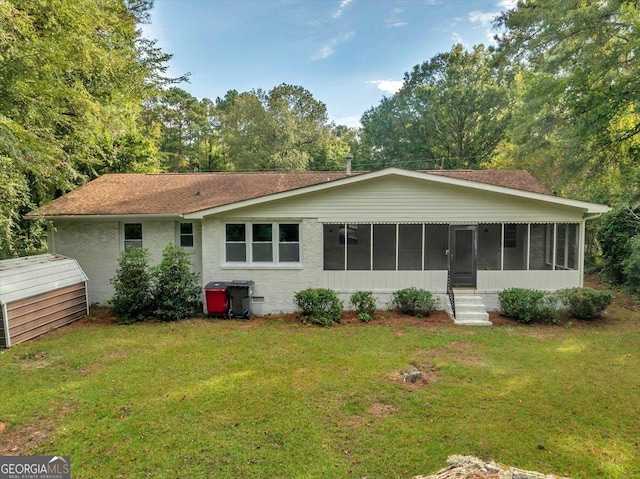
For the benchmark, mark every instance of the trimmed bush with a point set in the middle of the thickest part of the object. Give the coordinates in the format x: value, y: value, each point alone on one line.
x: 528, y: 305
x: 365, y: 304
x: 414, y: 301
x: 132, y: 298
x: 319, y: 306
x: 176, y: 290
x: 585, y: 303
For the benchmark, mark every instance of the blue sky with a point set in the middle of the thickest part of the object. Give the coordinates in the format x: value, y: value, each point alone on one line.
x: 347, y: 53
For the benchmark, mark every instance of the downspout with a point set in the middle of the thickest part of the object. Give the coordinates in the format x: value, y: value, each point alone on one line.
x: 5, y: 321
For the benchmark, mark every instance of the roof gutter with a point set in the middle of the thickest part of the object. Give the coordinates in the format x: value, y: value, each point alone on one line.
x: 593, y: 216
x: 106, y: 216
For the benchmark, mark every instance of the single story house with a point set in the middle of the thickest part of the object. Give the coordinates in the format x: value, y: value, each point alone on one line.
x: 478, y: 231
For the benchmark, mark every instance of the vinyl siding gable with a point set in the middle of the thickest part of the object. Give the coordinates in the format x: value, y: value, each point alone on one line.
x: 401, y: 199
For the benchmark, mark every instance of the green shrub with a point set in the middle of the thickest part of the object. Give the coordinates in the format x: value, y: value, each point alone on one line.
x: 319, y: 305
x: 365, y: 305
x: 528, y: 305
x: 176, y: 290
x: 631, y: 264
x: 132, y: 298
x: 414, y: 301
x: 585, y: 303
x: 617, y: 228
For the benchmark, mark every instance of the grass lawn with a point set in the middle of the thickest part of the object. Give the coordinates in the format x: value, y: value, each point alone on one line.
x: 271, y: 398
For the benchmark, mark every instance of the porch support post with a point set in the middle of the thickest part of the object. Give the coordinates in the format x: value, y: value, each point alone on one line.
x: 346, y: 241
x: 581, y: 247
x: 502, y: 247
x: 553, y: 242
x: 371, y: 230
x: 424, y: 234
x: 528, y: 244
x: 397, y: 245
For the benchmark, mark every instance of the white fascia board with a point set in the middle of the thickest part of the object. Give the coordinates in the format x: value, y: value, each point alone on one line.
x: 583, y: 205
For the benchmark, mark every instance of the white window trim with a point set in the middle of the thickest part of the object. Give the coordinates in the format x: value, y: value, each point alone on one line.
x: 123, y: 243
x: 179, y: 235
x: 275, y: 242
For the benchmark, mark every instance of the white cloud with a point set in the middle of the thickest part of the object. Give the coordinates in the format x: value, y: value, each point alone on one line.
x: 393, y: 19
x: 350, y: 121
x: 507, y: 4
x: 388, y: 86
x: 456, y: 38
x: 328, y: 48
x: 484, y: 18
x: 341, y: 7
x: 433, y: 2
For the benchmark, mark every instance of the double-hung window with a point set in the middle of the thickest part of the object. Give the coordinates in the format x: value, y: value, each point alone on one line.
x: 262, y: 243
x: 289, y: 243
x: 236, y: 243
x: 132, y: 235
x: 186, y: 235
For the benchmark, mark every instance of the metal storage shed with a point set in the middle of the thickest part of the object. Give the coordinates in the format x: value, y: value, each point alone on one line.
x: 39, y: 293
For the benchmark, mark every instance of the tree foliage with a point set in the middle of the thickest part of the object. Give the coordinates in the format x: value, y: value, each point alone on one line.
x: 188, y: 131
x: 282, y: 129
x: 450, y: 113
x: 614, y: 235
x: 72, y: 77
x: 577, y: 118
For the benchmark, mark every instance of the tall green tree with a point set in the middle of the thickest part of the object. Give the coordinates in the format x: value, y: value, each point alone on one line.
x: 451, y: 112
x: 282, y: 129
x: 577, y: 117
x: 188, y: 130
x: 73, y: 74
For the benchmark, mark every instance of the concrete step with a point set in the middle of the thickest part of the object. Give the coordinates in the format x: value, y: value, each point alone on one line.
x: 469, y: 299
x: 470, y: 322
x: 470, y: 307
x: 472, y: 318
x: 470, y: 310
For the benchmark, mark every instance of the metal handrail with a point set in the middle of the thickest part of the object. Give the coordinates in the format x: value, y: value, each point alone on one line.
x: 452, y: 298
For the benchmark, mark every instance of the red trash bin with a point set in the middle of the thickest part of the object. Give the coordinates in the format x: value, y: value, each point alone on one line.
x: 217, y: 299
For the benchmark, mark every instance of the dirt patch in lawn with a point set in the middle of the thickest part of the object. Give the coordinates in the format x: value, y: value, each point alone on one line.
x: 380, y: 411
x: 21, y: 440
x: 416, y: 375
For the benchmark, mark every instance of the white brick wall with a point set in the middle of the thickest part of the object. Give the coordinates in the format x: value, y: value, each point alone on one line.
x: 96, y: 245
x: 277, y: 285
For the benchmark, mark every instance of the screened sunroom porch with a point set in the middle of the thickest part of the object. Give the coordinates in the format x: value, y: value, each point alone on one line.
x: 489, y: 257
